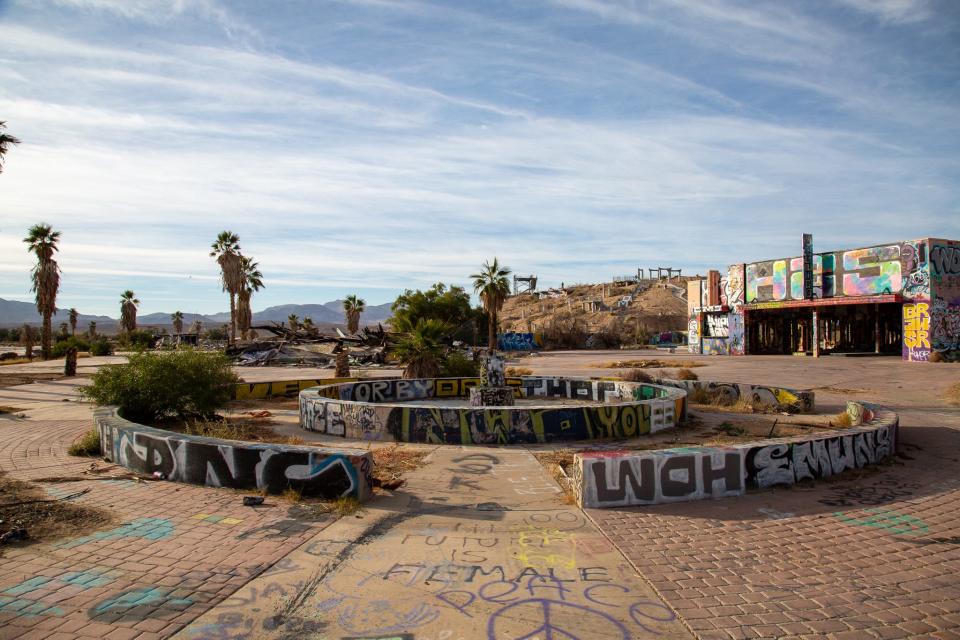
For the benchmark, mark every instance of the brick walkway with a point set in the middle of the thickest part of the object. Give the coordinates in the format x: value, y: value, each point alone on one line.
x: 175, y: 551
x: 870, y: 557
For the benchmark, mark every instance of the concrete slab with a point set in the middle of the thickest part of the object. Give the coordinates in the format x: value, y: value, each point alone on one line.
x: 479, y: 544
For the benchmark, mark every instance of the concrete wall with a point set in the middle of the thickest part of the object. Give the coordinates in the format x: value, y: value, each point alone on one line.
x: 623, y: 478
x: 281, y: 388
x: 944, y: 312
x: 326, y: 473
x: 779, y: 398
x: 388, y: 410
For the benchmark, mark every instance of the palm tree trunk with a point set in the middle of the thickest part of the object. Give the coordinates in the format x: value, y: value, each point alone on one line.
x: 492, y: 330
x: 46, y: 337
x: 233, y: 319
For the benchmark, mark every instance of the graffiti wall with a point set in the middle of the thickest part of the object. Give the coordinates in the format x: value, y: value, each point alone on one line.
x: 945, y: 299
x: 623, y: 478
x: 899, y: 268
x: 512, y: 341
x: 364, y: 411
x: 326, y: 473
x: 694, y: 288
x: 916, y: 331
x: 779, y: 398
x: 281, y: 388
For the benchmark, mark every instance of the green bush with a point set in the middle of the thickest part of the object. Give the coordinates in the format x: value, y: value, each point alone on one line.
x: 457, y: 365
x: 101, y: 347
x: 157, y: 385
x: 60, y: 348
x: 87, y: 445
x: 139, y: 339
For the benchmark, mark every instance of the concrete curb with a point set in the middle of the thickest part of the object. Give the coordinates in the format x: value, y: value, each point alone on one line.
x: 314, y: 471
x: 624, y: 478
x: 388, y: 410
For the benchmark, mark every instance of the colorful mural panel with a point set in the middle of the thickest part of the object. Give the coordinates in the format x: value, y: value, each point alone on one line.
x: 916, y: 331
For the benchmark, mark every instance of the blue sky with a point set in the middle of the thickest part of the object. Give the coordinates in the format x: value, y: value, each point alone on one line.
x: 375, y: 145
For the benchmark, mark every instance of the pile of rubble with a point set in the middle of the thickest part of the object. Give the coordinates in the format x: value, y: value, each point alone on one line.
x: 303, y: 346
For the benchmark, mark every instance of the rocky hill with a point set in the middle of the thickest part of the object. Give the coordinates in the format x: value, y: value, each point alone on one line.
x: 629, y: 310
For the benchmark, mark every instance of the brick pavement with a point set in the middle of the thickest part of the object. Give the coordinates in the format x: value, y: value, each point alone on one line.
x: 176, y: 550
x: 870, y: 556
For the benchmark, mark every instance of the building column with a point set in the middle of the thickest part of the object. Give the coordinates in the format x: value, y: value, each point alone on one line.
x: 816, y: 334
x: 876, y: 328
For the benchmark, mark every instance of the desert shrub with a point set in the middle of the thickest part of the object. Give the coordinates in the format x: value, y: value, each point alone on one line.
x: 138, y: 339
x: 153, y: 386
x: 702, y: 396
x: 686, y: 374
x: 458, y: 365
x: 87, y: 445
x: 565, y: 331
x: 935, y: 357
x: 60, y: 348
x: 636, y: 375
x: 516, y: 372
x: 101, y: 347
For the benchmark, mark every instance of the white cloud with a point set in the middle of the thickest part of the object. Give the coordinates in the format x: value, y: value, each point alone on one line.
x: 894, y: 11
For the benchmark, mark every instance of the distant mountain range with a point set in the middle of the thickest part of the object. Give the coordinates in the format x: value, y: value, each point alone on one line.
x: 13, y: 313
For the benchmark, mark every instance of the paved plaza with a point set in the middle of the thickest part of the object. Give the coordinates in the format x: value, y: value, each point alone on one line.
x: 482, y: 543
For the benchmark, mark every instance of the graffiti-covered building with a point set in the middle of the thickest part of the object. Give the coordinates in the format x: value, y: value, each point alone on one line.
x: 900, y: 298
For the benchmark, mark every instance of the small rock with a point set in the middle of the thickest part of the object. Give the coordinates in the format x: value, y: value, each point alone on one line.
x: 14, y: 535
x: 252, y: 501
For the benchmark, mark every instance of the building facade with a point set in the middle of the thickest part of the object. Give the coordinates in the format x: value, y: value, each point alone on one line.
x: 900, y: 298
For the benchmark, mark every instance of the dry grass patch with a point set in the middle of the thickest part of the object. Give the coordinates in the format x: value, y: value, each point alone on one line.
x: 391, y: 463
x: 87, y: 445
x: 27, y: 506
x: 719, y: 401
x: 233, y: 428
x: 651, y: 364
x: 686, y: 374
x: 516, y: 372
x: 953, y: 395
x: 636, y: 375
x: 559, y: 463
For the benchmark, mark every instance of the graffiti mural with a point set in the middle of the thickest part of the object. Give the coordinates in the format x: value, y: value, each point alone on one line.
x: 889, y: 269
x: 620, y: 410
x: 511, y: 341
x: 623, y: 478
x: 281, y: 388
x: 916, y: 331
x: 313, y: 471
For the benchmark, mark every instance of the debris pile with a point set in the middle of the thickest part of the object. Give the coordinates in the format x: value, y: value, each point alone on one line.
x: 306, y: 346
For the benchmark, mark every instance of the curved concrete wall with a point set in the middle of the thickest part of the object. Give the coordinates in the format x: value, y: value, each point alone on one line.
x: 388, y: 410
x: 780, y: 398
x: 623, y: 478
x: 326, y: 473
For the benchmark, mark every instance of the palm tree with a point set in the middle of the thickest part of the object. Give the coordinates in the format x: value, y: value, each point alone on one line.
x: 307, y: 324
x: 226, y: 250
x: 42, y: 240
x: 252, y: 281
x: 353, y: 307
x: 27, y: 338
x: 64, y: 331
x: 421, y: 349
x: 128, y: 311
x: 92, y: 330
x: 492, y: 285
x: 196, y: 327
x: 74, y: 316
x: 6, y: 141
x: 294, y: 321
x: 177, y: 320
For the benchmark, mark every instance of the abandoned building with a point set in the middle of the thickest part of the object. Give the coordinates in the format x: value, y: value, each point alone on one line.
x: 900, y: 299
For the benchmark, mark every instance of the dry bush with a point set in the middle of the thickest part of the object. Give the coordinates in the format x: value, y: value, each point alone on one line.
x: 686, y: 374
x: 87, y: 445
x: 291, y: 495
x: 651, y: 364
x: 516, y: 372
x: 842, y: 420
x: 566, y: 330
x: 636, y: 375
x: 936, y: 357
x: 391, y: 463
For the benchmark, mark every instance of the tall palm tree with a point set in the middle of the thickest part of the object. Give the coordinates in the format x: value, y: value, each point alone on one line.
x: 252, y: 281
x: 128, y: 311
x: 352, y: 308
x: 177, y: 320
x: 226, y: 250
x: 420, y: 348
x: 492, y: 285
x: 74, y: 316
x: 42, y: 241
x: 6, y: 141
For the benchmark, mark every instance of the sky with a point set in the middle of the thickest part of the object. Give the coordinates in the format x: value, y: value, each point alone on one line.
x: 371, y: 146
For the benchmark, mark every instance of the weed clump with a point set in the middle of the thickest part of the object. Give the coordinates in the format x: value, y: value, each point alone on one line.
x: 637, y: 375
x: 87, y: 445
x: 686, y: 374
